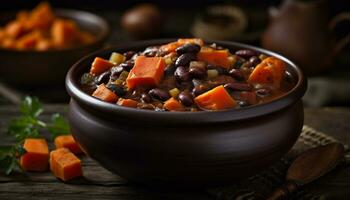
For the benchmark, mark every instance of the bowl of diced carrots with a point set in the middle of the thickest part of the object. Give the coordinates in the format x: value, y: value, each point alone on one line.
x: 188, y: 146
x: 37, y: 47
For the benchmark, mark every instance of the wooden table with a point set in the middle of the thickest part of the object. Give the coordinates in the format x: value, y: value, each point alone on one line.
x: 99, y: 183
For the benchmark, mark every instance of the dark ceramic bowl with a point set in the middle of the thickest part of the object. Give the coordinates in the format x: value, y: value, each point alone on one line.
x: 50, y: 67
x: 186, y: 148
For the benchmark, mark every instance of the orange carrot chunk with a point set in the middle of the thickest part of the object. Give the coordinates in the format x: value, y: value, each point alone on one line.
x: 64, y: 164
x: 215, y: 99
x: 29, y: 41
x: 214, y: 57
x: 67, y: 141
x: 146, y: 71
x: 100, y: 65
x: 173, y: 105
x: 105, y: 94
x: 127, y: 103
x: 270, y: 71
x: 36, y: 156
x: 171, y: 47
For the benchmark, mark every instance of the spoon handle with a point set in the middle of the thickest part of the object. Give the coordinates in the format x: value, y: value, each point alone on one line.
x: 284, y: 191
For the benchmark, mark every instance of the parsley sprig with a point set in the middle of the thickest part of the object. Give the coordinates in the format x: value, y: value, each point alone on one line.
x: 28, y: 125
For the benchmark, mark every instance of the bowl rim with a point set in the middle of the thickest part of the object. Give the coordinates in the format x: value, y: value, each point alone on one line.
x: 71, y: 14
x: 292, y: 96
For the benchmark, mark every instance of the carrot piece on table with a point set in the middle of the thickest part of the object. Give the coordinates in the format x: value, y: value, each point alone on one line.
x: 146, y: 71
x: 105, y: 94
x: 171, y: 47
x: 270, y: 71
x: 127, y: 103
x: 214, y: 57
x: 67, y: 141
x: 100, y: 65
x: 64, y: 164
x: 215, y: 99
x: 173, y: 105
x: 36, y: 156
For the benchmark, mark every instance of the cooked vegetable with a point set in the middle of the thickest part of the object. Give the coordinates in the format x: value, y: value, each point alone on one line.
x: 117, y: 58
x: 171, y: 47
x: 212, y: 73
x: 36, y: 156
x: 105, y: 94
x: 214, y: 57
x: 9, y: 158
x: 215, y: 99
x: 67, y: 141
x: 64, y: 164
x: 270, y: 71
x: 173, y: 105
x: 64, y: 33
x: 29, y: 41
x: 100, y: 65
x: 127, y: 103
x: 174, y: 92
x: 146, y: 71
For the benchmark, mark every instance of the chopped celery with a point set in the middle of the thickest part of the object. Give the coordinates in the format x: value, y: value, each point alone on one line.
x: 117, y: 58
x: 212, y: 73
x: 123, y: 75
x: 174, y: 92
x: 232, y: 60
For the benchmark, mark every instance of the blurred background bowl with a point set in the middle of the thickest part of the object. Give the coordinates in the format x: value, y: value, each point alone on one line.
x: 35, y: 68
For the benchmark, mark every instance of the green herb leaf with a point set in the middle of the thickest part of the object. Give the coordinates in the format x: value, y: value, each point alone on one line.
x: 31, y: 106
x: 58, y: 126
x: 9, y: 158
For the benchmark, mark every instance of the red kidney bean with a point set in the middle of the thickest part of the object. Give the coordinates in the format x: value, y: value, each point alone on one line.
x: 159, y: 94
x: 198, y: 90
x: 145, y: 98
x: 184, y: 59
x: 181, y: 74
x: 188, y: 48
x: 246, y: 53
x: 238, y: 86
x: 103, y: 78
x: 129, y: 54
x: 185, y: 98
x: 115, y: 72
x: 197, y: 72
x: 128, y: 65
x: 150, y: 51
x: 254, y: 60
x: 236, y: 74
x: 263, y: 92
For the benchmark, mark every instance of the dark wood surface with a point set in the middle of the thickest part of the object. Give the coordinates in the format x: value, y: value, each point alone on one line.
x: 98, y: 183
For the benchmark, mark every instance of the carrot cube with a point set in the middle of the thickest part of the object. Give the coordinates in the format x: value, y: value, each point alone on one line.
x: 64, y: 32
x: 29, y: 41
x: 214, y: 57
x: 64, y: 164
x: 100, y: 65
x: 36, y: 156
x: 146, y: 71
x: 173, y: 105
x: 105, y: 94
x: 14, y: 29
x: 215, y: 99
x: 67, y: 141
x: 41, y: 17
x: 127, y: 103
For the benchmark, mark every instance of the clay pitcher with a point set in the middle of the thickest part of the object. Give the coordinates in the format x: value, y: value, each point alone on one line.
x: 301, y: 31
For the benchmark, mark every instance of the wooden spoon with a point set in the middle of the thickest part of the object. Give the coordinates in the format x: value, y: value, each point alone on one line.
x: 309, y: 166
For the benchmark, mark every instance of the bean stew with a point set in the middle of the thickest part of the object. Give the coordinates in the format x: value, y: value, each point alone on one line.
x: 187, y: 75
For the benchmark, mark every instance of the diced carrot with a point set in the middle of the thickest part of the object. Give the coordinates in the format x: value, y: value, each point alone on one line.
x: 100, y: 65
x: 43, y: 45
x: 67, y: 141
x: 36, y: 156
x: 215, y: 99
x: 146, y: 71
x: 214, y: 57
x: 64, y: 33
x: 171, y: 47
x: 270, y: 71
x: 14, y: 29
x: 29, y: 41
x: 9, y: 43
x: 105, y: 94
x: 173, y: 105
x: 127, y: 103
x: 41, y: 17
x: 64, y: 164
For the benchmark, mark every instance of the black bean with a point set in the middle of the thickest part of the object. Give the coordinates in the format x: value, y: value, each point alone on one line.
x: 115, y: 72
x: 263, y: 92
x: 145, y: 98
x: 243, y: 104
x: 199, y: 89
x: 184, y: 59
x: 238, y: 86
x: 254, y: 60
x: 169, y: 70
x: 127, y: 65
x: 246, y: 53
x: 181, y: 74
x: 197, y: 72
x: 150, y: 51
x: 103, y: 78
x: 129, y: 54
x: 236, y: 74
x: 159, y: 94
x: 186, y: 98
x: 117, y: 89
x: 196, y: 82
x: 188, y: 48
